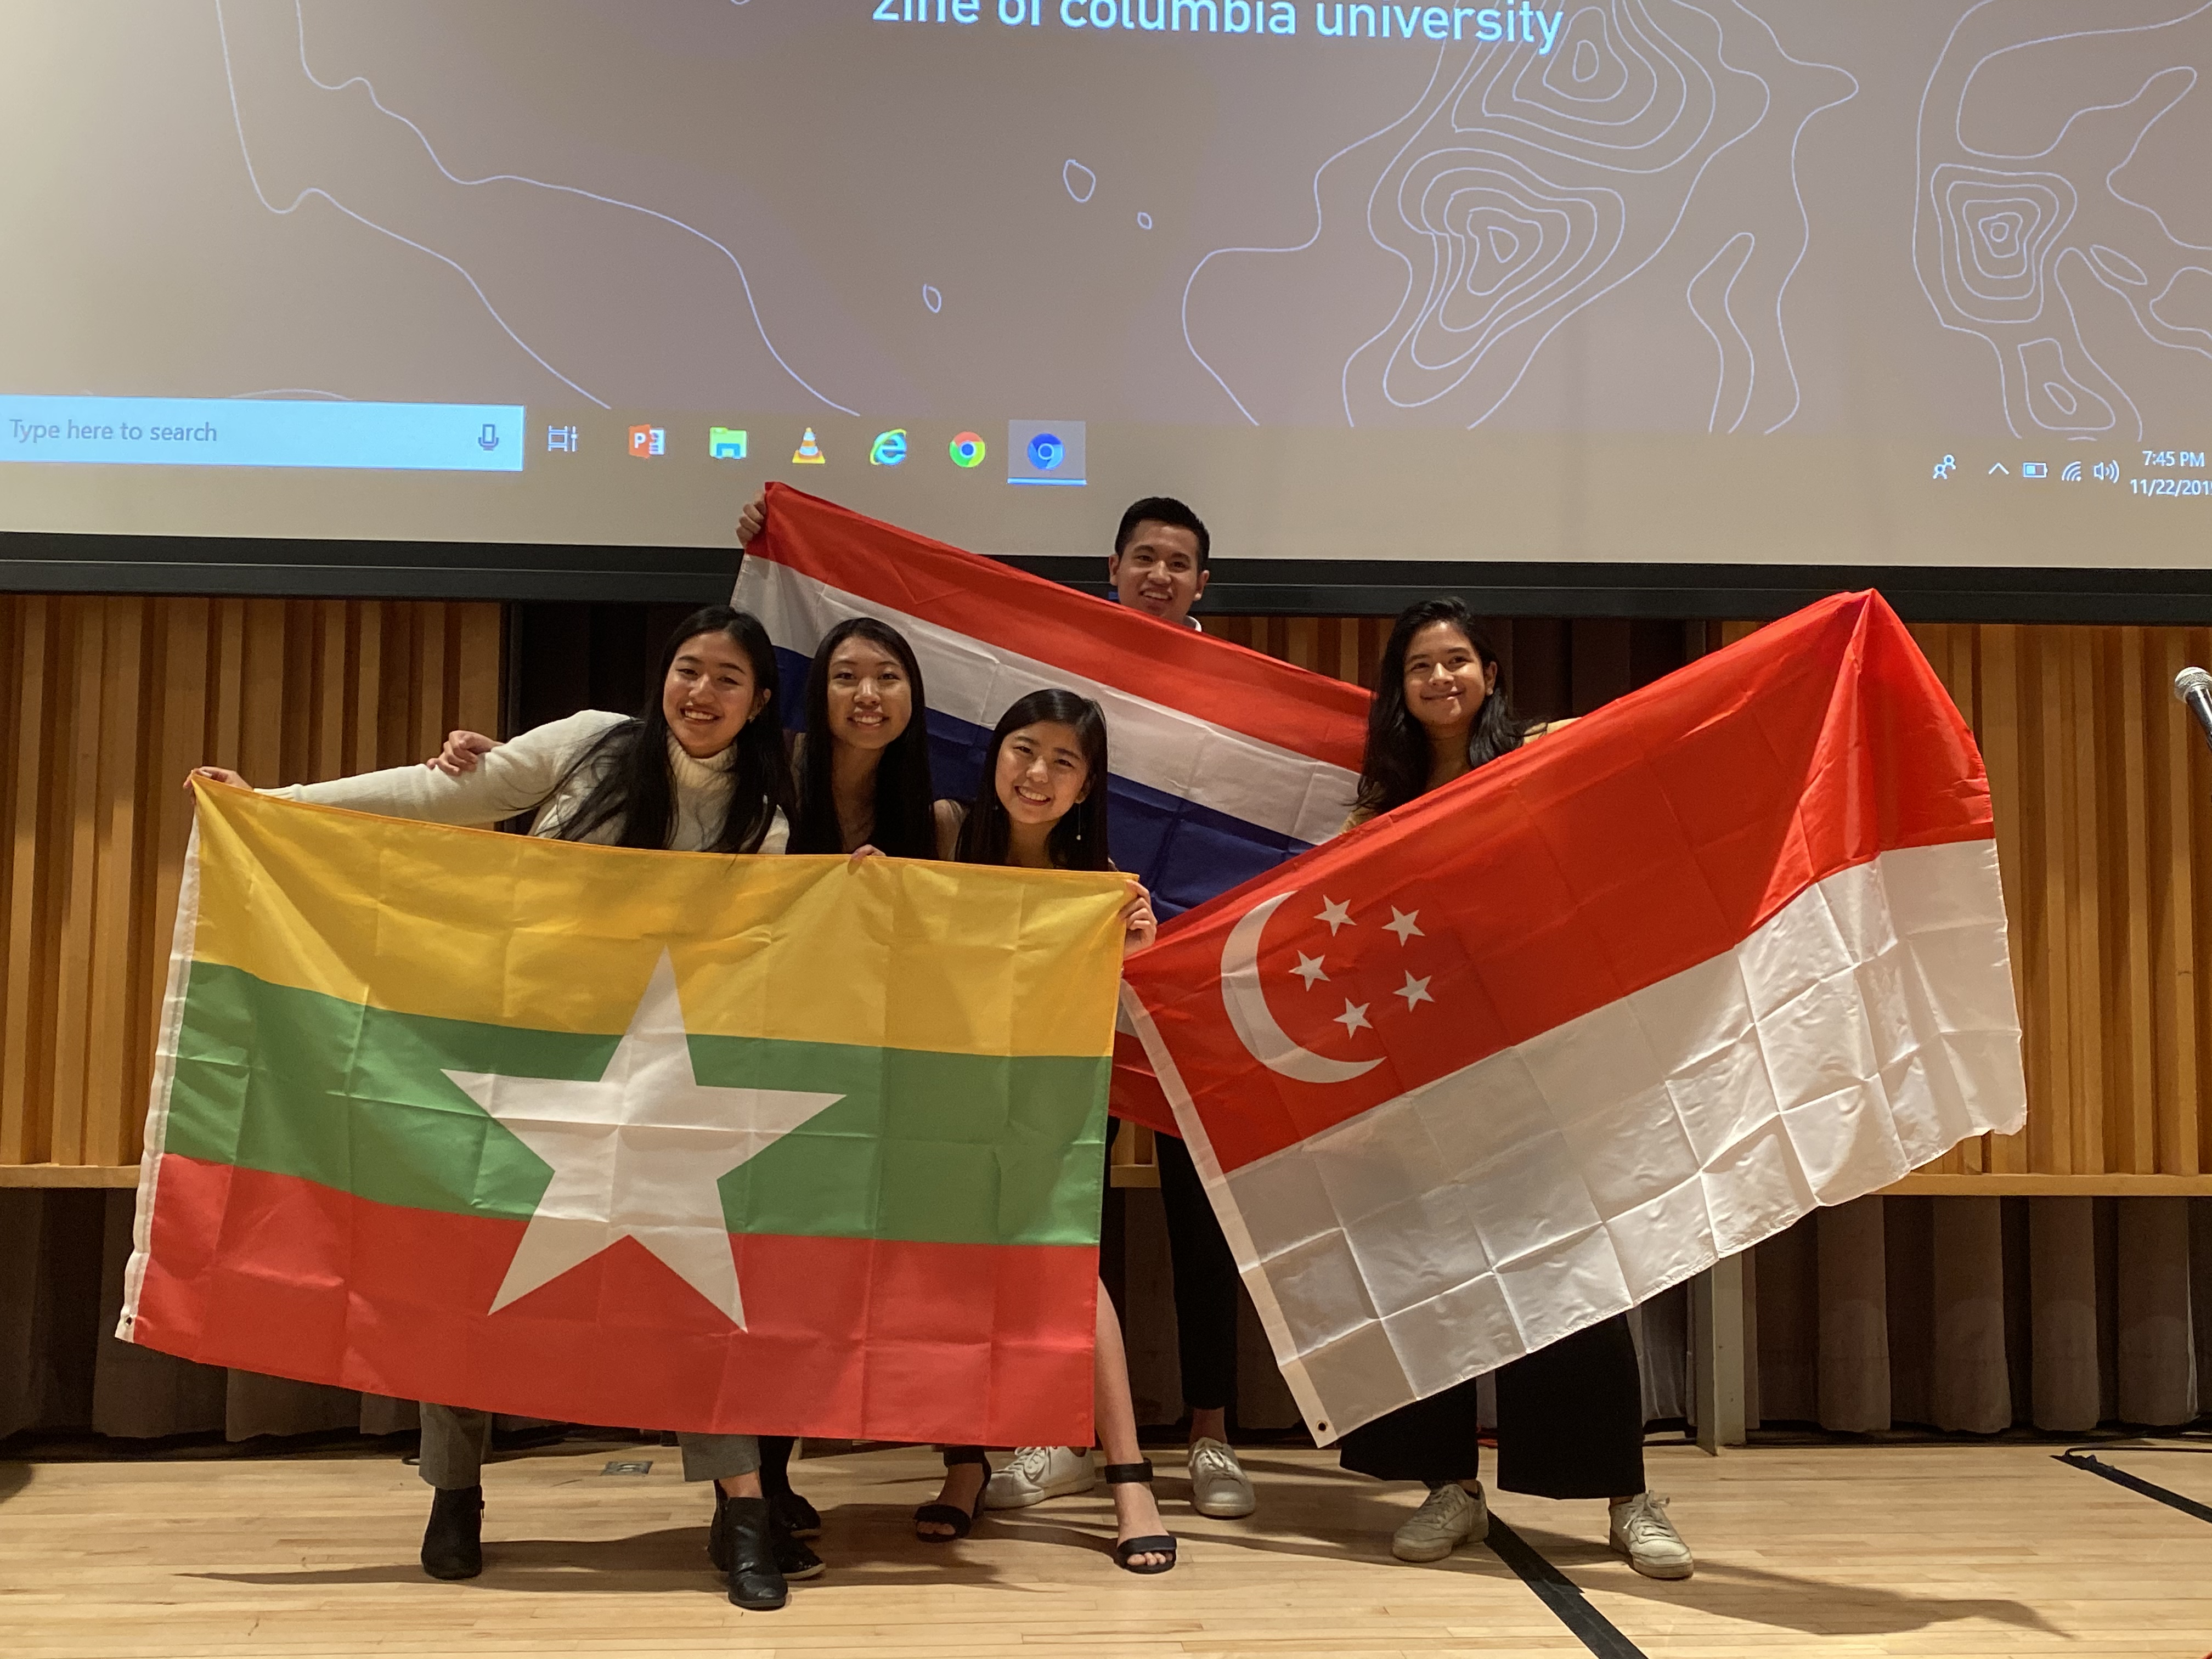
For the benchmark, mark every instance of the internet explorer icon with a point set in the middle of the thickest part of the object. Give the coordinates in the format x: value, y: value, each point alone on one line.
x: 889, y: 448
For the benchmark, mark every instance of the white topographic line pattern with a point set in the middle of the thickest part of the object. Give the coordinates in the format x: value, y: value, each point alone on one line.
x: 1526, y: 186
x: 238, y: 119
x: 2022, y: 248
x: 1321, y: 219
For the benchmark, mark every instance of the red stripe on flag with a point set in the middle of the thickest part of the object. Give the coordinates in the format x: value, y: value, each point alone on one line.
x: 1649, y: 838
x: 852, y: 1338
x: 1243, y: 691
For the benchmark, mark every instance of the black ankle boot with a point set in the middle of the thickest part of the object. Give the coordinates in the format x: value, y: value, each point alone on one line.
x: 452, y: 1544
x: 793, y: 1513
x: 792, y: 1559
x: 744, y: 1537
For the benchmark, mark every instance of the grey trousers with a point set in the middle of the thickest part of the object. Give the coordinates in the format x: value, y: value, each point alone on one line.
x: 456, y: 1438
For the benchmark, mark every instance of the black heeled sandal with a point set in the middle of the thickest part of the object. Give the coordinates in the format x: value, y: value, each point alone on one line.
x: 945, y: 1515
x: 1139, y: 1473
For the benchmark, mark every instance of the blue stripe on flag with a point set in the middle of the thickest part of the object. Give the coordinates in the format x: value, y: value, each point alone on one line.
x: 1183, y: 851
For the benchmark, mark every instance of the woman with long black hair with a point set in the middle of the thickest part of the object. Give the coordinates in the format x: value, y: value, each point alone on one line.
x: 1571, y: 1416
x: 863, y: 782
x: 700, y: 768
x: 863, y: 765
x: 1042, y: 805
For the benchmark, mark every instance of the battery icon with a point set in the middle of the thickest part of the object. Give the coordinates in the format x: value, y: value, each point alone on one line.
x: 2033, y: 469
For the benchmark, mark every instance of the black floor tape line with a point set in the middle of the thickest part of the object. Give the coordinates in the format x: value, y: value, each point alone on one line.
x: 1559, y: 1593
x: 2134, y: 1483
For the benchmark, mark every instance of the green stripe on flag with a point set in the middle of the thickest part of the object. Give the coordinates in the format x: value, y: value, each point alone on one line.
x: 942, y: 1148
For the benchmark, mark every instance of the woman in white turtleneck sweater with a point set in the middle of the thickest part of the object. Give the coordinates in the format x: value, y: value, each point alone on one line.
x: 696, y: 772
x: 700, y: 770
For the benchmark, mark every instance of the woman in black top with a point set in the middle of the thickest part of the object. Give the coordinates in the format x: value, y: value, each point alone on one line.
x: 1571, y: 1416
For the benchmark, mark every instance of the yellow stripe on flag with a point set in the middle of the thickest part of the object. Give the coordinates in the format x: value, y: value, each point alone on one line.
x: 517, y: 931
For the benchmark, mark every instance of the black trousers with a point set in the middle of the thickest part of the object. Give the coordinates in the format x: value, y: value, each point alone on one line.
x: 1569, y: 1425
x: 1205, y: 1285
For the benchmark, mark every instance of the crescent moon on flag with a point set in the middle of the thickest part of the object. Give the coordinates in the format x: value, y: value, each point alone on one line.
x: 1255, y: 1023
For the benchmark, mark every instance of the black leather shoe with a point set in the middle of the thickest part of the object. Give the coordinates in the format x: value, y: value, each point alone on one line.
x: 452, y: 1544
x: 792, y: 1559
x: 795, y: 1515
x: 743, y: 1538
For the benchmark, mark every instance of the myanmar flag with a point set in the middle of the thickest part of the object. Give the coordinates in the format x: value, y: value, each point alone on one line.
x: 1550, y: 1039
x: 664, y: 1140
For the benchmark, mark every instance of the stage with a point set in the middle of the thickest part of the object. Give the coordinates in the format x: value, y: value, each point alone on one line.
x: 1864, y: 1550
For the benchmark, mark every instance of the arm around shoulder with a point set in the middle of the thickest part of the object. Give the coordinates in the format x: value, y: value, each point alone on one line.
x: 516, y: 777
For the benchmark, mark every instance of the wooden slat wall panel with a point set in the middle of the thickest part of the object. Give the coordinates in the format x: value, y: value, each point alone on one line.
x: 108, y: 703
x: 2103, y: 797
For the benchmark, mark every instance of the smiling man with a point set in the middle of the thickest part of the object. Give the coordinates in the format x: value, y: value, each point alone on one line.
x: 1159, y: 565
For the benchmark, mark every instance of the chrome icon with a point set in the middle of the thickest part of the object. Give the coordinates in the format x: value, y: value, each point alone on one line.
x: 968, y: 450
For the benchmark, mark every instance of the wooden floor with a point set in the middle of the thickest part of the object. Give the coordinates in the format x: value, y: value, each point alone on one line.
x: 1943, y: 1550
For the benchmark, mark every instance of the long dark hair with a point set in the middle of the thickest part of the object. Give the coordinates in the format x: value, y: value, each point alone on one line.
x: 905, y: 823
x: 1078, y: 841
x: 1395, y: 768
x: 635, y: 783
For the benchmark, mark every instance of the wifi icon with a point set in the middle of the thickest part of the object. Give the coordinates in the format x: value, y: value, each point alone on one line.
x: 2072, y: 474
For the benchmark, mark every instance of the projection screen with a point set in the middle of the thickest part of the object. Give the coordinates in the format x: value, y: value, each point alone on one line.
x: 1894, y: 282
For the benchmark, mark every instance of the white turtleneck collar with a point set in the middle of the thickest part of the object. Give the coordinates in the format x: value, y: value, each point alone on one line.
x: 713, y: 773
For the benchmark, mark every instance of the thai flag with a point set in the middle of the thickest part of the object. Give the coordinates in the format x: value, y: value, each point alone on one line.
x: 1224, y: 762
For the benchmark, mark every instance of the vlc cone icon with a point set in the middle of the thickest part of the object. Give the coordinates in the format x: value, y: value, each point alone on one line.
x: 809, y: 452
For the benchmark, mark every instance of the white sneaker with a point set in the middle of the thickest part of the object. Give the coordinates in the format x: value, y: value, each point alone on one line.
x: 1218, y: 1485
x: 1038, y: 1473
x: 1451, y: 1516
x: 1640, y: 1530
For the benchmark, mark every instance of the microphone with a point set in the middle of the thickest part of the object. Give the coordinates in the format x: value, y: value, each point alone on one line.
x: 2193, y: 688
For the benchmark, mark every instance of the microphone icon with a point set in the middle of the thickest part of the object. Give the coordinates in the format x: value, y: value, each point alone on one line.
x: 488, y: 438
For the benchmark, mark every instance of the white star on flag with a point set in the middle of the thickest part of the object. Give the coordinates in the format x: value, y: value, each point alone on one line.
x: 1415, y: 990
x: 1335, y: 915
x: 1401, y: 923
x: 1354, y: 1016
x: 638, y: 1154
x: 1309, y: 969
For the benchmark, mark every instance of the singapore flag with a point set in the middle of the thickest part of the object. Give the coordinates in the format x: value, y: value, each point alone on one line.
x: 1521, y: 1054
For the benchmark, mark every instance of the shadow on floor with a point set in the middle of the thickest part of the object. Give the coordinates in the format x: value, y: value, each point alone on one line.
x: 1721, y: 1588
